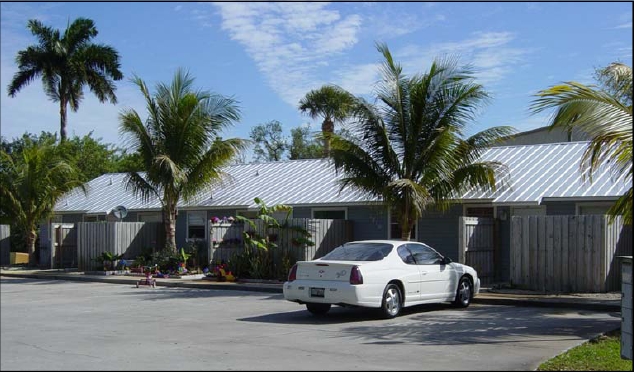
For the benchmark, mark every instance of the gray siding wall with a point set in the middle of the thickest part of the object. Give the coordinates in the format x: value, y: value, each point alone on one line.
x: 560, y: 208
x: 544, y: 135
x: 369, y: 222
x: 131, y: 217
x: 440, y: 230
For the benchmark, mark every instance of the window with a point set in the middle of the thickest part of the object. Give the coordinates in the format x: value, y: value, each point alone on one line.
x: 406, y: 255
x: 196, y: 225
x: 424, y: 254
x: 359, y: 252
x: 330, y: 214
x: 479, y: 212
x: 395, y: 227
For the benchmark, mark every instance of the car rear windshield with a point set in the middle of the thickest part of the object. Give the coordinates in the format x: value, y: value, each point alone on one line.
x: 359, y: 252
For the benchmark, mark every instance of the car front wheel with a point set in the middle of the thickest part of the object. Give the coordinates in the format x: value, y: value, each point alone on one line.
x: 392, y: 301
x: 318, y: 309
x: 463, y: 294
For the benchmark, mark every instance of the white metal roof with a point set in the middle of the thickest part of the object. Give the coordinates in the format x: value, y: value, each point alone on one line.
x: 293, y: 182
x: 535, y: 172
x: 548, y: 171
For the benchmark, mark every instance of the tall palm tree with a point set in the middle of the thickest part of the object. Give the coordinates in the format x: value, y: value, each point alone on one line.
x: 179, y: 143
x: 330, y: 102
x: 66, y: 64
x: 409, y: 149
x: 31, y: 182
x: 605, y: 114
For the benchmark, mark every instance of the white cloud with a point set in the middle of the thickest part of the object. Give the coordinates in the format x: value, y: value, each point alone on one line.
x: 625, y: 25
x: 490, y: 53
x: 290, y: 42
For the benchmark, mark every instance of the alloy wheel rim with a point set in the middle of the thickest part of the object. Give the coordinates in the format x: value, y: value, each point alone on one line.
x: 465, y: 292
x: 392, y: 301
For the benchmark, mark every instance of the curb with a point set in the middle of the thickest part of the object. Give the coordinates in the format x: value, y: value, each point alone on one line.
x: 594, y: 306
x: 482, y: 298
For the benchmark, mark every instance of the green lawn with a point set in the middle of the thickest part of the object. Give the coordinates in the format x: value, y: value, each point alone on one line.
x: 600, y: 354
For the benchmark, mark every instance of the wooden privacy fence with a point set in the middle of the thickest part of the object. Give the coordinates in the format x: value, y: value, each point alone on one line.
x: 477, y: 246
x: 127, y: 238
x: 226, y: 239
x: 568, y: 253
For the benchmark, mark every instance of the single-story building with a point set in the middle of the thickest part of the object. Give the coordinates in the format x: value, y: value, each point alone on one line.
x: 542, y: 179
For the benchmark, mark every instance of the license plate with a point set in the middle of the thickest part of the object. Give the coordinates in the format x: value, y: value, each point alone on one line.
x: 317, y: 292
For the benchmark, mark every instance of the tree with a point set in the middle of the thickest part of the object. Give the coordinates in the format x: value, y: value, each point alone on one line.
x: 409, y: 149
x: 179, y: 143
x: 66, y: 64
x: 605, y: 114
x: 32, y: 180
x: 269, y: 141
x: 330, y: 102
x: 303, y: 145
x: 89, y: 156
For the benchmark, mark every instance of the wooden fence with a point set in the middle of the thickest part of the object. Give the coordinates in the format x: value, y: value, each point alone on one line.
x: 5, y: 245
x: 226, y: 239
x: 568, y: 253
x: 127, y: 238
x: 478, y: 248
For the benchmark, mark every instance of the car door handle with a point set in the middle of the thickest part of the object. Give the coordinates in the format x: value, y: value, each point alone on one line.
x: 423, y: 272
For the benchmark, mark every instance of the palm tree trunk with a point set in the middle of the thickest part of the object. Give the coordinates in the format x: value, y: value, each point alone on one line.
x: 169, y: 222
x: 327, y: 128
x: 62, y: 124
x: 31, y: 236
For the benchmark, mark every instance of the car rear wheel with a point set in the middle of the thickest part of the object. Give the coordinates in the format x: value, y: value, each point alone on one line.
x: 318, y: 309
x: 392, y: 301
x: 463, y: 294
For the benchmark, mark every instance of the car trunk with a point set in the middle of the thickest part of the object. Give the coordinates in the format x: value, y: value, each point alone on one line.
x: 325, y: 270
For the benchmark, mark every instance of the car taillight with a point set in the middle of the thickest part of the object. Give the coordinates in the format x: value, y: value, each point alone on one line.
x: 355, y: 275
x: 292, y: 274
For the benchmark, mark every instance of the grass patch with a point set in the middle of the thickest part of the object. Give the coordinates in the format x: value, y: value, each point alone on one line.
x: 600, y: 354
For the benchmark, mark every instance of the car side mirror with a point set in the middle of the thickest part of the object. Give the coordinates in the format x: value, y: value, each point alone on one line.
x: 446, y: 260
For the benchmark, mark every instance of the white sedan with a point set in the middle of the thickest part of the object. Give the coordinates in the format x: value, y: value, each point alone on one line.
x: 385, y: 274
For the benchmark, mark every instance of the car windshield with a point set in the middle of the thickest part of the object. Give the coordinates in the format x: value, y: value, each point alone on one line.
x: 359, y: 252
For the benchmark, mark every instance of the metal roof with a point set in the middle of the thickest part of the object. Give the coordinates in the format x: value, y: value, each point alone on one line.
x: 549, y: 170
x: 535, y: 172
x: 293, y: 182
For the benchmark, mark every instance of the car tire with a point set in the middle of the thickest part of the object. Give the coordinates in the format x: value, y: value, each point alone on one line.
x: 392, y: 302
x: 318, y: 309
x: 464, y: 293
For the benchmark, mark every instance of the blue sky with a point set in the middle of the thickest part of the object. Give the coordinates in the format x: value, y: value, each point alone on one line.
x: 268, y: 55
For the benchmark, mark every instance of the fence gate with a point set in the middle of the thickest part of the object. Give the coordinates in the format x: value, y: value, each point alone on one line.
x: 63, y: 246
x: 478, y: 246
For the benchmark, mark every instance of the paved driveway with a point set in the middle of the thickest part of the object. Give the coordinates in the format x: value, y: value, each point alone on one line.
x: 61, y: 325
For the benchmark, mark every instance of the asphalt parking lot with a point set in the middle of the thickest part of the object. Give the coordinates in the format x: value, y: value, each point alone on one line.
x: 63, y: 325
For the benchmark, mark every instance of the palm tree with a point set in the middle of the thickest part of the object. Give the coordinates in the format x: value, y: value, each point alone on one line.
x: 330, y: 102
x: 605, y: 114
x: 66, y: 64
x: 179, y: 143
x: 409, y: 149
x: 31, y: 182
